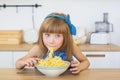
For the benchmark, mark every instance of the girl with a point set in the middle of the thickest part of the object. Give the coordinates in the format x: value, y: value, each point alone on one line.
x: 56, y: 31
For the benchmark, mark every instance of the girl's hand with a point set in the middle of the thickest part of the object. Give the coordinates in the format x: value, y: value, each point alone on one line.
x: 31, y: 62
x: 75, y: 67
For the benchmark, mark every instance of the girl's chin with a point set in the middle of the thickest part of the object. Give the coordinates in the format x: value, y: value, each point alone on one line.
x: 54, y: 48
x: 51, y: 47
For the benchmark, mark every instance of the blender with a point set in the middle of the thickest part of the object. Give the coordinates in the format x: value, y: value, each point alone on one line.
x: 103, y: 26
x: 102, y: 31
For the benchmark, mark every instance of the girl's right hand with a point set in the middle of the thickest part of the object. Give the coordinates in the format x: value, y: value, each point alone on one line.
x: 31, y: 62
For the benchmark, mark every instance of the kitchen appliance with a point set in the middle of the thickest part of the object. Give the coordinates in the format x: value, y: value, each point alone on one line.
x: 100, y: 38
x: 104, y: 26
x: 102, y: 31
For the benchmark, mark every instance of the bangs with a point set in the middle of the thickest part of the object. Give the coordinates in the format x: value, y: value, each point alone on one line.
x: 54, y: 26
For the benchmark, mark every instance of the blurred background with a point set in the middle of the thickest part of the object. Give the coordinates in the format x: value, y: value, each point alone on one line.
x: 83, y: 13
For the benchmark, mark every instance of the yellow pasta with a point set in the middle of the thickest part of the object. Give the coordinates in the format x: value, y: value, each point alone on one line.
x: 51, y: 61
x: 51, y: 52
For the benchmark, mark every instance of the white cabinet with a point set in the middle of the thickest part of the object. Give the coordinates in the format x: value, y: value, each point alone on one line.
x: 103, y: 59
x: 6, y: 59
x: 17, y: 55
x: 9, y: 58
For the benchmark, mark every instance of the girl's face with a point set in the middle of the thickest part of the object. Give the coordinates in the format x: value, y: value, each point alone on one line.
x: 53, y: 40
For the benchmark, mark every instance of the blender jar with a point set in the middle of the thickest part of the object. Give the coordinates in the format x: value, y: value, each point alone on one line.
x: 101, y: 26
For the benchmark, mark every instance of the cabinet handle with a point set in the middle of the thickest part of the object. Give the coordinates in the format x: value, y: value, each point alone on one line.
x: 95, y: 55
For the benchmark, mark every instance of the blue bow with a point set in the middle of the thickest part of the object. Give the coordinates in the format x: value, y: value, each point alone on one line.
x: 67, y: 20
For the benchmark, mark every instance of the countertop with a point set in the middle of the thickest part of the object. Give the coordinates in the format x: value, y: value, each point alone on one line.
x: 100, y: 47
x: 83, y: 47
x: 19, y: 47
x: 33, y: 74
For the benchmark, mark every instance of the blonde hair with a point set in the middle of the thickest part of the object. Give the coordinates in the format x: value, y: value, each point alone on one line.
x: 55, y: 25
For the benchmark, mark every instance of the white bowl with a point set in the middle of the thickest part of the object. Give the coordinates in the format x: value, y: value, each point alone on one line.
x: 53, y: 71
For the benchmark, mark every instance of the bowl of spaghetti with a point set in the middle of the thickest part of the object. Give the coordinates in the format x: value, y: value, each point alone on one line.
x: 53, y: 71
x: 52, y: 66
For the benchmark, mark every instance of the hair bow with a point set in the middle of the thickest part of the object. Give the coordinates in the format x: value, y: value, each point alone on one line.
x: 67, y: 20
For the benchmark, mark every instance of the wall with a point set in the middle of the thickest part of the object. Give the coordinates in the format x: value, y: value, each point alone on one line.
x: 83, y: 13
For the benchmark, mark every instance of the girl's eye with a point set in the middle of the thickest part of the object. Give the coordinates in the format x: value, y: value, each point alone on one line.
x: 58, y: 35
x: 47, y: 35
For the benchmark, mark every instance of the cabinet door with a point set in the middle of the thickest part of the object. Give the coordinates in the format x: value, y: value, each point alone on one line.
x: 5, y: 59
x: 103, y: 59
x: 113, y: 59
x: 17, y: 55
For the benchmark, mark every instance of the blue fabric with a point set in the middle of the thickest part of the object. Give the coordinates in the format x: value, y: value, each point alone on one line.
x: 67, y: 20
x: 61, y: 54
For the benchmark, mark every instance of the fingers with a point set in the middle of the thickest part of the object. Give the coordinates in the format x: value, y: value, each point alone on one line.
x: 31, y: 62
x: 74, y: 67
x: 74, y: 63
x: 74, y: 70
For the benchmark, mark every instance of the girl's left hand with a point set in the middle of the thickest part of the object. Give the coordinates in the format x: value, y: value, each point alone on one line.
x: 75, y: 67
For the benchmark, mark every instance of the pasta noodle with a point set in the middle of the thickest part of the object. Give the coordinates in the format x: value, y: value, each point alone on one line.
x: 51, y: 61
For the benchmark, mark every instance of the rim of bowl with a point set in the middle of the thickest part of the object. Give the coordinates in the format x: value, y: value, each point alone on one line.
x: 53, y: 67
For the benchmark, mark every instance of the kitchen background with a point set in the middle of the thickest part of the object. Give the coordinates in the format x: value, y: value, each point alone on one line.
x: 84, y: 14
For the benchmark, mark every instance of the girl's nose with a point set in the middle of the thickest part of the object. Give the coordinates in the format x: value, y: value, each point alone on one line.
x: 51, y: 39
